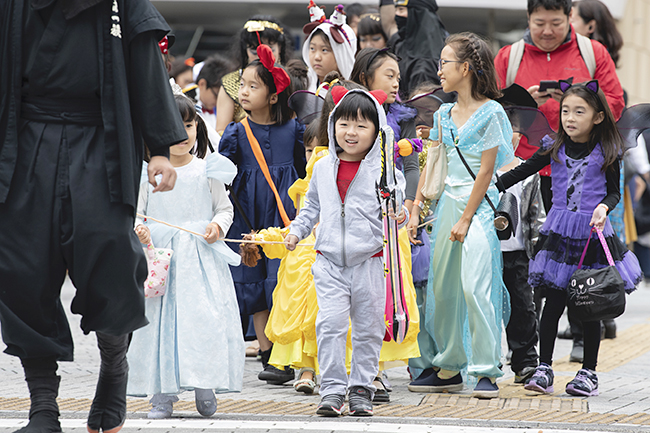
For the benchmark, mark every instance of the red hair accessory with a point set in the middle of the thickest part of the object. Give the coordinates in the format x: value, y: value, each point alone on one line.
x: 164, y: 45
x: 339, y: 92
x: 190, y: 62
x: 280, y: 77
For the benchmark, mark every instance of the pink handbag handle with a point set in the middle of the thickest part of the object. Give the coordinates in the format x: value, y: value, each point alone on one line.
x: 610, y: 260
x: 151, y: 251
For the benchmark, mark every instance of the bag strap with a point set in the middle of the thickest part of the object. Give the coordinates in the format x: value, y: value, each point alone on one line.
x: 587, y: 53
x: 514, y: 60
x: 517, y: 53
x: 257, y: 151
x: 610, y: 260
x: 471, y: 173
x: 151, y: 251
x: 439, y: 128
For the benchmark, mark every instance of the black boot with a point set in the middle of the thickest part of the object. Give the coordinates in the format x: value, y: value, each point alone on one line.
x: 108, y: 411
x: 43, y: 384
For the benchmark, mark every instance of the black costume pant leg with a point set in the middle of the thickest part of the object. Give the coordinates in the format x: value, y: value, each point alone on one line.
x: 521, y: 331
x: 58, y: 216
x: 32, y: 267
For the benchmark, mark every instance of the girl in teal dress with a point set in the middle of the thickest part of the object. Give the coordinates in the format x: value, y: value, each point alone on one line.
x: 466, y: 299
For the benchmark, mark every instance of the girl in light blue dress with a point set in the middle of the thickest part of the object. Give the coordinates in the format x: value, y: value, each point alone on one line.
x: 466, y: 300
x: 194, y: 339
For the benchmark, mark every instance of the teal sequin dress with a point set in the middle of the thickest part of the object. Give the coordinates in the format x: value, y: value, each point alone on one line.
x: 466, y: 299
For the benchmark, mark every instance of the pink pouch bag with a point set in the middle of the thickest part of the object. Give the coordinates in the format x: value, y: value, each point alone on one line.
x: 158, y: 260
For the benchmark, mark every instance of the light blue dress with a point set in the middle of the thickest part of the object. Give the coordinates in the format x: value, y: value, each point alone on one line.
x: 466, y: 299
x: 194, y: 337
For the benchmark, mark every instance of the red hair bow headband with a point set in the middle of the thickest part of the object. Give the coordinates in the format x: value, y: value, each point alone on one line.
x: 339, y: 92
x: 280, y: 77
x: 164, y: 45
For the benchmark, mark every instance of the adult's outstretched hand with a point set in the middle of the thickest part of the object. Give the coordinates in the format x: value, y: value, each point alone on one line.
x: 161, y: 165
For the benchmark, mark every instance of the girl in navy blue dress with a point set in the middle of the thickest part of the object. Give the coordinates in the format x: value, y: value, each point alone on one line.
x: 264, y: 91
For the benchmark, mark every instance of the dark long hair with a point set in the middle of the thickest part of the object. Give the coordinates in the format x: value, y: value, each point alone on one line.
x: 188, y: 112
x: 605, y: 32
x: 606, y: 133
x: 268, y: 36
x: 367, y: 62
x: 280, y: 111
x: 472, y: 49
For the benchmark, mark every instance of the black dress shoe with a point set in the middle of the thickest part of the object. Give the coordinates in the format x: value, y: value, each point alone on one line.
x: 274, y: 376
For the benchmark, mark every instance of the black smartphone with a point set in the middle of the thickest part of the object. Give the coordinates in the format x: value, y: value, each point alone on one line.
x: 545, y: 85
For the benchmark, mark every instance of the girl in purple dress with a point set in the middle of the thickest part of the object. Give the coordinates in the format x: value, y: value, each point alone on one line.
x: 585, y: 167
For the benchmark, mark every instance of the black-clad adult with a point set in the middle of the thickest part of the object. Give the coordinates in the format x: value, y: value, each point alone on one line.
x: 86, y: 85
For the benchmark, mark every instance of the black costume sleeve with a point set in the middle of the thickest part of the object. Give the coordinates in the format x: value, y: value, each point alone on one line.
x: 613, y: 176
x: 411, y: 162
x: 152, y: 100
x: 299, y: 161
x: 534, y: 164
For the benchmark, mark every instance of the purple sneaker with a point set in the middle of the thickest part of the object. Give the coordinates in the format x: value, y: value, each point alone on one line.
x: 584, y: 384
x: 542, y: 380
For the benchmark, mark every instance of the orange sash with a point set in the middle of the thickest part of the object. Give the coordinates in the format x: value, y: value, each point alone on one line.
x: 257, y: 151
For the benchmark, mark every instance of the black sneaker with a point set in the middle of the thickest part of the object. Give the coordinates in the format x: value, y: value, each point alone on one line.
x: 275, y: 376
x: 524, y: 374
x: 359, y: 402
x: 485, y: 389
x: 331, y: 405
x: 432, y: 383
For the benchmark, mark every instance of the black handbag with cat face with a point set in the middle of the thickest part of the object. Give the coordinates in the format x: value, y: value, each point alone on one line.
x: 596, y: 294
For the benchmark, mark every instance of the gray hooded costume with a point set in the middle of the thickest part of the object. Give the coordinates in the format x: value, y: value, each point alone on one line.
x: 349, y: 280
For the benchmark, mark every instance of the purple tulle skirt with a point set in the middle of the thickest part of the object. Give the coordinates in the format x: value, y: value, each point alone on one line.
x: 562, y: 241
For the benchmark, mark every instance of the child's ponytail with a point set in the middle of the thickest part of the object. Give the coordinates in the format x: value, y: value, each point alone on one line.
x: 202, y: 139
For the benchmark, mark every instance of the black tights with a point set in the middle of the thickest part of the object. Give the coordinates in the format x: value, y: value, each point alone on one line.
x: 553, y: 309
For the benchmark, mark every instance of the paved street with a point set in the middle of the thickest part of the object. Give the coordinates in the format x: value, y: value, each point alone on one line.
x: 623, y: 406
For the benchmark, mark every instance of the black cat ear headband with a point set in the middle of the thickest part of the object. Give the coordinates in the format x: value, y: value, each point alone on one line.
x: 590, y: 85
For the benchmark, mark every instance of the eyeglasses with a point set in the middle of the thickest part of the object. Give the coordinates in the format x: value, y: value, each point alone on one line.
x: 443, y: 62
